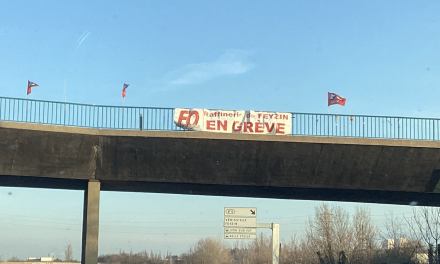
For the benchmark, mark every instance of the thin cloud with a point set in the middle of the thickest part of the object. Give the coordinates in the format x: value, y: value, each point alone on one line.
x: 80, y: 40
x: 232, y: 62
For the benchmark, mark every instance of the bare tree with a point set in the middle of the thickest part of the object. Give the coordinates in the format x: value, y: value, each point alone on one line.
x: 425, y: 226
x: 14, y: 259
x: 331, y: 231
x: 364, y: 234
x: 394, y: 227
x: 320, y: 232
x: 404, y: 247
x: 68, y: 253
x: 132, y: 258
x: 240, y: 253
x: 208, y: 251
x: 260, y: 250
x: 297, y: 251
x: 343, y: 234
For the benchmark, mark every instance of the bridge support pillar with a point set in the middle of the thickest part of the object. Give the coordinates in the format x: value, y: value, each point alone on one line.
x: 89, y: 254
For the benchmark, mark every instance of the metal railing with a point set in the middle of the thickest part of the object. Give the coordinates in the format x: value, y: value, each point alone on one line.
x: 83, y: 115
x: 153, y: 118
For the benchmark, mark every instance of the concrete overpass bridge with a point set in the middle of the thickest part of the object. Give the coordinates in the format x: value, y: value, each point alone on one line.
x: 342, y: 158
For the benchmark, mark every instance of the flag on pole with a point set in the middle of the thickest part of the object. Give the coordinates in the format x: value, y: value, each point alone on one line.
x: 30, y: 85
x: 336, y: 99
x: 123, y: 90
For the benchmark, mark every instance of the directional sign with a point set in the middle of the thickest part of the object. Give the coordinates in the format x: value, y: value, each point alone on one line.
x: 241, y: 211
x: 240, y: 222
x: 240, y: 236
x: 240, y: 230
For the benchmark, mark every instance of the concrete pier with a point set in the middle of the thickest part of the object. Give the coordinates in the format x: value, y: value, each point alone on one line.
x: 90, y: 223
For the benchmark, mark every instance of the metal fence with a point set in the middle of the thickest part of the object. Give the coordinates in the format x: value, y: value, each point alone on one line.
x: 82, y: 115
x: 149, y: 118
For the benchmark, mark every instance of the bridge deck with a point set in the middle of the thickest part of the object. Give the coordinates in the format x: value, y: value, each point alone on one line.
x: 329, y: 168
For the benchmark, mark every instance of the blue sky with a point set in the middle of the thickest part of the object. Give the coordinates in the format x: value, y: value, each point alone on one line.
x: 383, y: 56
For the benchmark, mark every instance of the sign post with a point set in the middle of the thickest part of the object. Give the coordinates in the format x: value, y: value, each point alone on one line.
x: 241, y: 223
x: 241, y: 211
x: 275, y: 243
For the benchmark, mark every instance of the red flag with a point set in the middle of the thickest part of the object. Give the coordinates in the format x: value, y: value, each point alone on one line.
x: 30, y: 85
x: 335, y: 99
x: 123, y: 90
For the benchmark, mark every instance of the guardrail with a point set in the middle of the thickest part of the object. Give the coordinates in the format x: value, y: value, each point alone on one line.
x: 154, y: 118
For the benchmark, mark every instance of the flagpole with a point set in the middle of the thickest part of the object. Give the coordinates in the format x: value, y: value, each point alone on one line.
x: 64, y: 83
x: 65, y: 96
x: 328, y: 114
x: 123, y: 105
x: 27, y: 100
x: 125, y: 86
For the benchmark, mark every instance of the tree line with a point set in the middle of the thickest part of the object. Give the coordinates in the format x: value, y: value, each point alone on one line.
x: 332, y: 236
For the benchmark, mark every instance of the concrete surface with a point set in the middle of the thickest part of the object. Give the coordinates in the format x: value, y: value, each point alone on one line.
x: 287, y: 167
x: 90, y: 223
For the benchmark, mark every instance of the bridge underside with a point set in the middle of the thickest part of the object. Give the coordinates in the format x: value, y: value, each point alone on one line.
x: 322, y: 194
x: 284, y: 167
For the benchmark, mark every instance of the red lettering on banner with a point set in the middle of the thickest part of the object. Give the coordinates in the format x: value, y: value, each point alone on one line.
x: 258, y: 123
x: 188, y: 119
x: 236, y: 128
x: 259, y: 127
x: 280, y: 128
x: 271, y: 127
x: 248, y: 127
x: 222, y: 125
x: 210, y: 124
x: 182, y: 116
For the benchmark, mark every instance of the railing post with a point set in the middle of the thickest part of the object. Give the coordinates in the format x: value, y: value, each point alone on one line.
x: 141, y: 121
x: 328, y: 125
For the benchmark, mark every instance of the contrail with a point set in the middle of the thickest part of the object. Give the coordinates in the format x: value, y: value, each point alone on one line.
x: 82, y: 38
x: 82, y: 35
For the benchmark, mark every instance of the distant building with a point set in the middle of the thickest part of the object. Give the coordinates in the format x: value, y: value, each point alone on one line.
x: 394, y: 243
x: 421, y: 258
x: 42, y: 259
x: 388, y: 244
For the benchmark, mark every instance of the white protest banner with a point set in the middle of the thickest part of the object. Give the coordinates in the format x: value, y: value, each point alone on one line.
x: 226, y: 121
